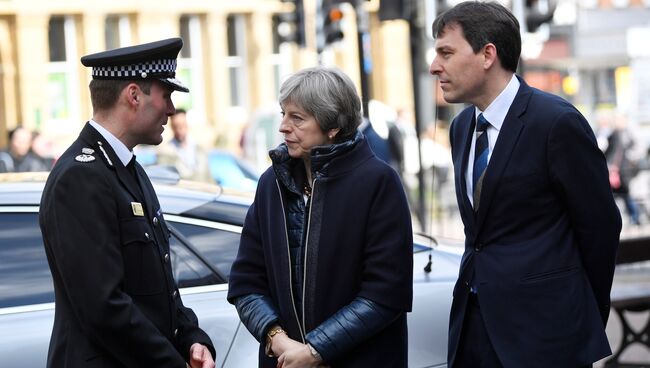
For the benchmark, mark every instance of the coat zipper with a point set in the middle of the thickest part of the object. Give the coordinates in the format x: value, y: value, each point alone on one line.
x: 304, y: 267
x: 286, y: 234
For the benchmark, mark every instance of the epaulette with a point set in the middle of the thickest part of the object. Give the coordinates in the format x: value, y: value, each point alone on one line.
x: 86, y: 155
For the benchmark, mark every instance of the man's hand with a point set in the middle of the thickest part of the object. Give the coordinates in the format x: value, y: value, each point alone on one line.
x: 200, y: 357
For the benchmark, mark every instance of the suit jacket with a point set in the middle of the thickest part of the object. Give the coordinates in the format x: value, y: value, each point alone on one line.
x: 117, y: 304
x: 542, y: 247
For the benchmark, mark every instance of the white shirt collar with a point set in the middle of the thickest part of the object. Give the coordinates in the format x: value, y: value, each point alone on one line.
x: 496, y: 112
x: 120, y: 149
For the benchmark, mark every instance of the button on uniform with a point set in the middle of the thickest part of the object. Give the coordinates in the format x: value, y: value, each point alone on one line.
x: 155, y: 221
x: 166, y: 257
x: 174, y: 294
x: 146, y: 235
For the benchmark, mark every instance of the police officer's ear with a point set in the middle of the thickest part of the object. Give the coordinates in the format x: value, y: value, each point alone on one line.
x: 133, y: 94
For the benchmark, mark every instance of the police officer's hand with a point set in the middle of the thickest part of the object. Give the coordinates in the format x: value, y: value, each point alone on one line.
x: 200, y: 357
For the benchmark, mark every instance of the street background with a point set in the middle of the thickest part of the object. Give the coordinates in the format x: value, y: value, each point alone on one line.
x: 594, y: 53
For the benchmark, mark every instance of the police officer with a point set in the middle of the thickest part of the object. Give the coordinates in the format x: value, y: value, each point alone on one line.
x: 107, y: 244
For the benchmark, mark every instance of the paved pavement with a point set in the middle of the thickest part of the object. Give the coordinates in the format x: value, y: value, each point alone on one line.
x: 635, y: 277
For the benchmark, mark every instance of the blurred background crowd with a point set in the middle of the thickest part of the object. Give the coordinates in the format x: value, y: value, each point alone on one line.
x: 592, y: 52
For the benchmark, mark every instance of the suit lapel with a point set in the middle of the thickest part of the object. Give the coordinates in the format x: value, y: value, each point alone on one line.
x: 508, y: 136
x: 467, y: 122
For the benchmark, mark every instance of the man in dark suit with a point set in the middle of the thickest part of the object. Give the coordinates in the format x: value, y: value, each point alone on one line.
x: 107, y: 243
x: 541, y: 225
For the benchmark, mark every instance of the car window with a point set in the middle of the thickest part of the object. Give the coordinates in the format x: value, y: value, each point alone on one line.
x: 26, y: 277
x: 24, y: 272
x: 188, y: 269
x: 218, y: 246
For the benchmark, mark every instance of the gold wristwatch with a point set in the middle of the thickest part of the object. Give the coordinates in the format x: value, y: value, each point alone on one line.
x: 269, y: 339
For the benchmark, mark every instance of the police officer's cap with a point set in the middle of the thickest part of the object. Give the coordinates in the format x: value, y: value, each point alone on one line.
x: 154, y: 60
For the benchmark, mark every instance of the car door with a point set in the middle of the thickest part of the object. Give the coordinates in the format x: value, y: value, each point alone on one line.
x: 204, y: 285
x: 27, y: 293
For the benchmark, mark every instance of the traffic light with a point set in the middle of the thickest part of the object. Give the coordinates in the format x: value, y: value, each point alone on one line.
x: 394, y: 9
x: 291, y: 26
x: 332, y: 27
x: 538, y: 12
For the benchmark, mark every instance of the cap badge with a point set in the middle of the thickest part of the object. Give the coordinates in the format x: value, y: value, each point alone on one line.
x: 85, y: 158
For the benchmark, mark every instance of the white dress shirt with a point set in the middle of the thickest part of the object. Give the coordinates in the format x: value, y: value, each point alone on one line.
x: 495, y: 114
x: 120, y: 149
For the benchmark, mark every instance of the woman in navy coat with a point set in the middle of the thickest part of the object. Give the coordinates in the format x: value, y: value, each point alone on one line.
x: 323, y: 276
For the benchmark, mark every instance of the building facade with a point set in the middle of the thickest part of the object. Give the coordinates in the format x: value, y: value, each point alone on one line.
x: 232, y: 59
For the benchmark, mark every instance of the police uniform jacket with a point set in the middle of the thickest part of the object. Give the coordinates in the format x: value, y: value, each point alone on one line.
x: 117, y: 304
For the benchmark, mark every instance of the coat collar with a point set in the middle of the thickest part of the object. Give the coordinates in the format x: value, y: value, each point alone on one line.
x: 326, y: 161
x: 92, y: 138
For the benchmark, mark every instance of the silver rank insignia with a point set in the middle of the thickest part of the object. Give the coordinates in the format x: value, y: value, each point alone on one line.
x: 87, y: 151
x: 85, y: 158
x: 101, y: 147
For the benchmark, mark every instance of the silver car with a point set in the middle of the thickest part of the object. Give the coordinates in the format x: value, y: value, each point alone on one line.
x: 205, y: 223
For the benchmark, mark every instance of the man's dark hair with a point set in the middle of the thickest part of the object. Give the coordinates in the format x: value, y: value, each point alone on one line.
x: 104, y: 92
x: 483, y: 23
x: 180, y: 111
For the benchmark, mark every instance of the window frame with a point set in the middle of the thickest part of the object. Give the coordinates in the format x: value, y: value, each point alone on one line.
x: 170, y: 219
x: 70, y: 106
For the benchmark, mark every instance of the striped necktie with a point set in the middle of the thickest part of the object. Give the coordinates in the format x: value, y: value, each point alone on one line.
x: 481, y: 152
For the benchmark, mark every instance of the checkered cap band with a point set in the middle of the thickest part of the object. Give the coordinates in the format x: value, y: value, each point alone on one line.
x: 154, y: 68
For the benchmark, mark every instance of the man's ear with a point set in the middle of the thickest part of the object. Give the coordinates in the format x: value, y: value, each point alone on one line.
x: 132, y: 94
x: 490, y: 55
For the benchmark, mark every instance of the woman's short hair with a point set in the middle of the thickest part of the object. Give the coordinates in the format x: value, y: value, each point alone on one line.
x: 105, y: 92
x: 329, y: 95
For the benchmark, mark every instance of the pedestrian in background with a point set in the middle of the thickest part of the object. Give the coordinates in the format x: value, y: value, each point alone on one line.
x: 541, y: 225
x: 323, y: 276
x: 107, y: 243
x: 616, y: 142
x: 182, y: 152
x: 18, y: 157
x: 42, y: 149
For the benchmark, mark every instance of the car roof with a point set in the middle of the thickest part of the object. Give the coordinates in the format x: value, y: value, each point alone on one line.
x: 190, y: 199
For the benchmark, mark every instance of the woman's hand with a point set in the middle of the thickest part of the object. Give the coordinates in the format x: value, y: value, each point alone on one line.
x: 281, y: 343
x: 299, y: 356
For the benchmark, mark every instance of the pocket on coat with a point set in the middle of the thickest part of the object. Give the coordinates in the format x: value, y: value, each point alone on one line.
x: 143, y: 269
x: 550, y: 275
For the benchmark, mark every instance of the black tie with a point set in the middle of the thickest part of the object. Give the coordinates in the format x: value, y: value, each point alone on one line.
x: 131, y: 167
